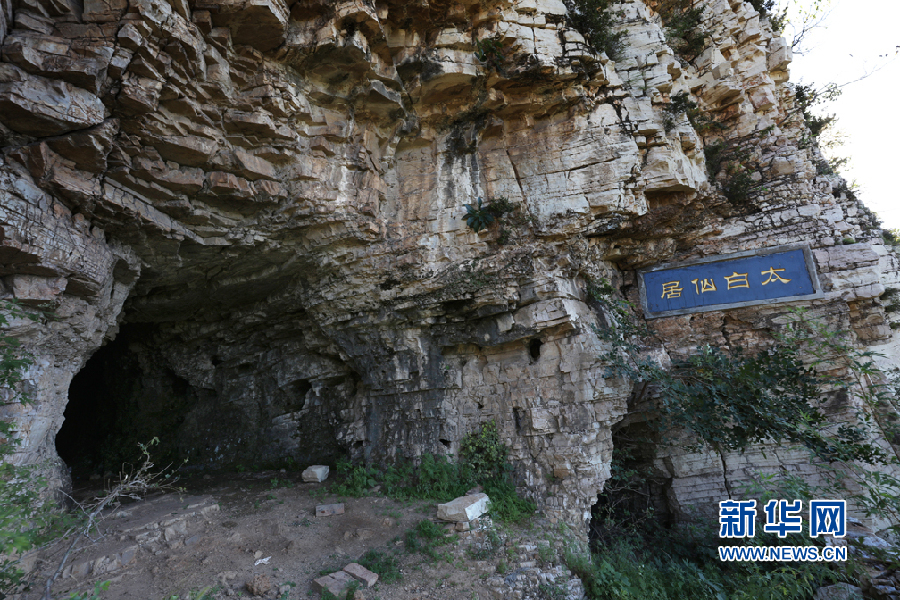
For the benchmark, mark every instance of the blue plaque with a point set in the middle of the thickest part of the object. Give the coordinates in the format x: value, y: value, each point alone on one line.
x: 767, y: 276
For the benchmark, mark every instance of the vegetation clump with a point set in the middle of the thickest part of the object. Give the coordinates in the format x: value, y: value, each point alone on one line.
x: 731, y: 400
x: 595, y: 20
x: 806, y: 97
x: 683, y: 20
x: 27, y: 518
x: 728, y: 400
x: 658, y: 563
x: 490, y: 53
x: 481, y: 216
x: 438, y: 479
x: 681, y: 104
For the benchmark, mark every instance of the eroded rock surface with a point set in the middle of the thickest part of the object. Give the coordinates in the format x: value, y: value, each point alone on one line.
x: 276, y: 187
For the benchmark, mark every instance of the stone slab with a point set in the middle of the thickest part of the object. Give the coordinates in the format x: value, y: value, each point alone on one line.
x: 336, y: 583
x: 464, y: 508
x: 326, y: 510
x: 361, y: 574
x: 315, y: 474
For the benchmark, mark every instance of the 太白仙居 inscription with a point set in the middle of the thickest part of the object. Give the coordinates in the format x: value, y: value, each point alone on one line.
x: 766, y: 276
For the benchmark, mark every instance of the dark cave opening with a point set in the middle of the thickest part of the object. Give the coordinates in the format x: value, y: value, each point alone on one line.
x: 635, y: 498
x: 246, y: 413
x: 114, y: 405
x: 91, y: 414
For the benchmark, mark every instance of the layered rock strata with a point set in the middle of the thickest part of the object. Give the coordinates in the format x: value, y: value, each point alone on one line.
x: 266, y: 198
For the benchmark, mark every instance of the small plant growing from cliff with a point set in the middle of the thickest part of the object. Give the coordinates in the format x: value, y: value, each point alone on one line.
x: 26, y: 520
x: 478, y: 216
x: 806, y: 97
x: 738, y: 185
x: 481, y: 216
x: 763, y: 7
x: 490, y: 53
x: 681, y: 104
x: 683, y: 20
x: 595, y: 20
x: 484, y: 452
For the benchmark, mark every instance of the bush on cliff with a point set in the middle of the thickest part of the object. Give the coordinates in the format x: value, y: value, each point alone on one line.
x: 595, y: 20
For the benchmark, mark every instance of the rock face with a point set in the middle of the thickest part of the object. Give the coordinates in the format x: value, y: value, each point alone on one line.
x: 258, y: 207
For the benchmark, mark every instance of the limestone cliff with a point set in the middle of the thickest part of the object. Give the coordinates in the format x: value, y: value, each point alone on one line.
x: 258, y: 204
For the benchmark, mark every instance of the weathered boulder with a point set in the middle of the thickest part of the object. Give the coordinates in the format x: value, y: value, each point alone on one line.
x: 315, y: 473
x: 464, y: 508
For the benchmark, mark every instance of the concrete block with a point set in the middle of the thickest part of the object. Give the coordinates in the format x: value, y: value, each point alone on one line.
x: 361, y: 574
x: 464, y: 508
x: 315, y: 474
x: 336, y: 583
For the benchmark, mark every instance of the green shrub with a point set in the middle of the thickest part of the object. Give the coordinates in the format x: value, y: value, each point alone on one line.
x: 806, y: 97
x: 478, y: 218
x: 385, y: 565
x: 681, y: 104
x: 683, y: 22
x: 483, y: 461
x: 763, y: 7
x: 484, y: 452
x: 596, y: 22
x: 27, y: 518
x: 481, y: 216
x: 358, y: 480
x: 490, y: 52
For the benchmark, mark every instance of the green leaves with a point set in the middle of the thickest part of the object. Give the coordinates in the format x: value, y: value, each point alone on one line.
x: 490, y: 52
x: 484, y: 452
x: 732, y: 400
x: 483, y: 461
x: 478, y: 218
x: 684, y: 26
x: 481, y: 216
x: 595, y: 20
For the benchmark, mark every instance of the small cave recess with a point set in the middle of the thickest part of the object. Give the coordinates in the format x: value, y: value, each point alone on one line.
x: 635, y: 498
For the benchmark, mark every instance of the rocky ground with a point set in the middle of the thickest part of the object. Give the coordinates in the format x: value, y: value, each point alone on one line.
x: 257, y: 535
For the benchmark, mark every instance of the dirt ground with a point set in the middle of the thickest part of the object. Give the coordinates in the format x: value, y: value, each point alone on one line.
x: 225, y: 530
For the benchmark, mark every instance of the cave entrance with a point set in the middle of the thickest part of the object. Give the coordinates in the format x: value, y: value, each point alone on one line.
x: 249, y: 411
x: 114, y: 405
x: 635, y: 497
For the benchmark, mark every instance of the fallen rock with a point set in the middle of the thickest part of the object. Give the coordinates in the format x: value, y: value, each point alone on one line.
x: 315, y: 474
x: 336, y: 583
x: 326, y: 510
x: 361, y: 574
x: 259, y: 585
x: 464, y: 508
